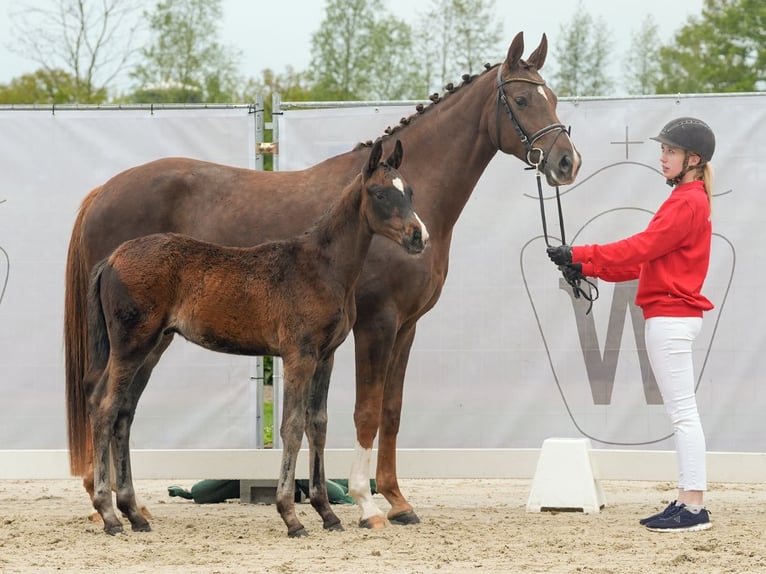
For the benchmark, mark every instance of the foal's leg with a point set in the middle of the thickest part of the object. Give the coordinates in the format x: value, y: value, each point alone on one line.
x: 316, y: 431
x: 298, y: 372
x: 103, y: 414
x: 126, y: 495
x: 140, y: 381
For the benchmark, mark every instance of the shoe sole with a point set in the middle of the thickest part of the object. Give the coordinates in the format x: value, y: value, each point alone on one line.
x: 695, y: 528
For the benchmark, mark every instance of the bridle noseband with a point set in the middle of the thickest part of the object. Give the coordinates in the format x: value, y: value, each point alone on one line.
x: 527, y: 140
x: 536, y: 163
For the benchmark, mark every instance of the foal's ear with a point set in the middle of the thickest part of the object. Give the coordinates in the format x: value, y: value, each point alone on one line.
x: 537, y: 58
x: 395, y: 159
x: 375, y: 153
x: 515, y: 51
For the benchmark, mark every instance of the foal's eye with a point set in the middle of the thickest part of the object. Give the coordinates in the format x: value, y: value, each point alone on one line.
x: 379, y: 195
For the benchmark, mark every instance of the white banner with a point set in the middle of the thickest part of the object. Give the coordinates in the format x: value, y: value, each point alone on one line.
x: 48, y: 163
x: 500, y: 362
x: 503, y: 360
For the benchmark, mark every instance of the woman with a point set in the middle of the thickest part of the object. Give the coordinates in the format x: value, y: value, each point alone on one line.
x: 670, y: 260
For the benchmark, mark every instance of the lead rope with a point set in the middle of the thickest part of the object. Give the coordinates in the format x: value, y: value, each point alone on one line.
x: 573, y: 278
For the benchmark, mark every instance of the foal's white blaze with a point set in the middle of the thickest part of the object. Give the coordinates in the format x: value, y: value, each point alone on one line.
x: 359, y: 482
x: 542, y: 92
x: 397, y: 182
x: 424, y: 230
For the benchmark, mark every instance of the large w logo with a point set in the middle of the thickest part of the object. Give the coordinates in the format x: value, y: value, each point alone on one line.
x: 602, y: 368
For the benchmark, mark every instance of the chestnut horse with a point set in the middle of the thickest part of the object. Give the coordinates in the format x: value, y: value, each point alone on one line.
x: 449, y: 144
x: 214, y: 296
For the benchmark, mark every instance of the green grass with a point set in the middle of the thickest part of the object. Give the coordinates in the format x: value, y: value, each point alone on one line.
x: 268, y: 425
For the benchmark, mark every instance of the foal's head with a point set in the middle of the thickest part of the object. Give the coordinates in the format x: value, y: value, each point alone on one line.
x: 387, y: 200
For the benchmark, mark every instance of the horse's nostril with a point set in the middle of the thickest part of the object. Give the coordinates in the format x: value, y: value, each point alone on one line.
x: 565, y: 164
x: 417, y: 236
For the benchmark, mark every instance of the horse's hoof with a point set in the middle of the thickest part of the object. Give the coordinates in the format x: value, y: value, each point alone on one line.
x: 405, y: 518
x: 142, y: 528
x: 299, y: 532
x: 113, y: 530
x: 335, y: 527
x: 373, y: 522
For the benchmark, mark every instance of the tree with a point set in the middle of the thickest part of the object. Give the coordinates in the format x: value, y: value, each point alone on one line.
x: 457, y: 37
x: 582, y: 52
x: 361, y: 51
x: 183, y: 61
x: 44, y: 87
x: 724, y: 50
x: 88, y: 42
x: 642, y: 66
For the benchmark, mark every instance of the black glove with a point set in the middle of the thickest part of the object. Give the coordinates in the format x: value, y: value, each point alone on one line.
x: 572, y: 272
x: 561, y: 254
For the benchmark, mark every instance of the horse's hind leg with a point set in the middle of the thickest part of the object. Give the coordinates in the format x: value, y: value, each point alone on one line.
x: 316, y: 431
x: 103, y: 415
x: 126, y: 495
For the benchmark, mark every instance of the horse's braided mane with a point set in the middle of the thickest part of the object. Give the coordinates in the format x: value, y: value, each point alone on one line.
x: 421, y: 109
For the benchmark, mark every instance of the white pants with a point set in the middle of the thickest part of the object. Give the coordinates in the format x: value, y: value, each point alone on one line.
x: 669, y: 346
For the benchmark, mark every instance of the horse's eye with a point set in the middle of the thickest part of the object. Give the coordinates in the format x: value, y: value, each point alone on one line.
x: 522, y: 102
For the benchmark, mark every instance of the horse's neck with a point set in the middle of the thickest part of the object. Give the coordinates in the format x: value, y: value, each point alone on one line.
x: 342, y: 237
x: 450, y: 145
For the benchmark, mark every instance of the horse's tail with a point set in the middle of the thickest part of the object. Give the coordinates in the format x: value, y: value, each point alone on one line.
x: 77, y: 279
x: 98, y: 338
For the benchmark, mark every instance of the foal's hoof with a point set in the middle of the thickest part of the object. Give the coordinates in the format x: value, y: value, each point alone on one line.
x: 335, y: 527
x: 142, y: 528
x: 299, y: 532
x: 405, y: 518
x: 113, y: 530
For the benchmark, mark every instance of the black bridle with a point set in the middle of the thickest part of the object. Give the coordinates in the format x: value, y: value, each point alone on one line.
x: 537, y: 163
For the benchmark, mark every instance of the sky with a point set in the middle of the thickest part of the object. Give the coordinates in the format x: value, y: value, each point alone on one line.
x: 278, y: 34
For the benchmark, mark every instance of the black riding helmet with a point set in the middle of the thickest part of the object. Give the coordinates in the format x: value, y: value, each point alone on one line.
x: 691, y: 135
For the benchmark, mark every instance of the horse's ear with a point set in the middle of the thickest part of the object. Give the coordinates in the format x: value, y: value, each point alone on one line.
x: 395, y: 159
x: 537, y: 59
x: 375, y: 153
x: 515, y: 51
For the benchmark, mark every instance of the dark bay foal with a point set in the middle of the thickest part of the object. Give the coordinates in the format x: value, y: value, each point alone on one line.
x: 293, y: 298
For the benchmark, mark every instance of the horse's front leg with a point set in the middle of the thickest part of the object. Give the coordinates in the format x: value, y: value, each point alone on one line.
x: 386, y: 477
x: 316, y: 431
x: 373, y: 344
x: 297, y: 378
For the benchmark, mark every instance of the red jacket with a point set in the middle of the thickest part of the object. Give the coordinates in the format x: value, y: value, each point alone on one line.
x: 669, y: 258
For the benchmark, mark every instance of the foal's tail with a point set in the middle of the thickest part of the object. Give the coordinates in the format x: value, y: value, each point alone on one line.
x: 77, y: 279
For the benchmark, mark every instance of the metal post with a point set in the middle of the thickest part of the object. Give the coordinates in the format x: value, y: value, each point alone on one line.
x: 257, y: 377
x: 278, y: 385
x: 259, y: 113
x: 276, y: 113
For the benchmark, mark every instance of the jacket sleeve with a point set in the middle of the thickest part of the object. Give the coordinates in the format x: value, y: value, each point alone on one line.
x: 666, y: 232
x: 615, y: 274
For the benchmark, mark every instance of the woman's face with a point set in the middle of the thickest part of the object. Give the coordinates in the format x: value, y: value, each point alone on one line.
x: 671, y: 160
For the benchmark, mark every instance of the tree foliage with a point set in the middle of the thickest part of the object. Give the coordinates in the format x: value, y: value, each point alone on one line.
x: 457, y: 37
x: 45, y: 87
x: 361, y: 51
x: 642, y: 68
x: 184, y: 62
x: 582, y: 53
x: 723, y: 50
x: 84, y: 43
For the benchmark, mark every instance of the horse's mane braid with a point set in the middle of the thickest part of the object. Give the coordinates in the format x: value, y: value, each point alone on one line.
x: 435, y: 98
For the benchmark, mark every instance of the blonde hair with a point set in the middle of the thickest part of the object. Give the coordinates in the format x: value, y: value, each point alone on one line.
x: 707, y: 179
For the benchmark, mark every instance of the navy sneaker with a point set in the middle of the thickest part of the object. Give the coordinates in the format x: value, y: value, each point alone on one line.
x: 669, y: 509
x: 681, y: 520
